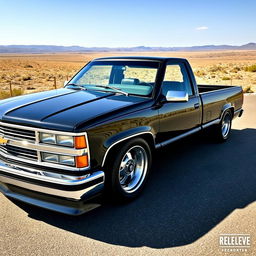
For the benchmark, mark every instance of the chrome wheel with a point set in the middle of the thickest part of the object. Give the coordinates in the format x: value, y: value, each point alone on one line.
x: 133, y: 169
x: 226, y: 125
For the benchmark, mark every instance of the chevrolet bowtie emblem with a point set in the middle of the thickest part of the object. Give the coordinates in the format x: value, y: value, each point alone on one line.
x: 3, y: 141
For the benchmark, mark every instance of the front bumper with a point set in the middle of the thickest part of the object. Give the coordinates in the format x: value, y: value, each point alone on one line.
x: 67, y: 195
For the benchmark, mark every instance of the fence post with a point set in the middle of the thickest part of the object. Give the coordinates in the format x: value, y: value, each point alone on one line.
x: 67, y: 78
x: 55, y: 83
x: 10, y: 85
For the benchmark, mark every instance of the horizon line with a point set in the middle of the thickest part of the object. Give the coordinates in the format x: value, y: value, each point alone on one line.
x: 136, y: 46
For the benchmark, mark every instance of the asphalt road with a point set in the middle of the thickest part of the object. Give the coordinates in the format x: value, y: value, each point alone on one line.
x: 197, y: 190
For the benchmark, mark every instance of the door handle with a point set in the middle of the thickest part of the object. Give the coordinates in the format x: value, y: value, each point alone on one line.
x: 196, y: 105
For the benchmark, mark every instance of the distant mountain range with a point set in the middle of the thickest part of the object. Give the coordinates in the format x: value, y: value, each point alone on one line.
x: 56, y: 48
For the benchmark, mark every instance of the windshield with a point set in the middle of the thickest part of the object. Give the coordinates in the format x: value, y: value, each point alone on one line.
x: 130, y: 77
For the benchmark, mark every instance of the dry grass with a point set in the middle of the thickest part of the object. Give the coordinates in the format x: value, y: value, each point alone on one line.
x: 35, y: 72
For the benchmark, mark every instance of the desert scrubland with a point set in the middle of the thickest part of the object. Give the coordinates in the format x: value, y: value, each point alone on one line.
x: 29, y: 73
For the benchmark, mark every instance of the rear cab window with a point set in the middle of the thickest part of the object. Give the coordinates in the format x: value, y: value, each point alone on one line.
x: 176, y: 79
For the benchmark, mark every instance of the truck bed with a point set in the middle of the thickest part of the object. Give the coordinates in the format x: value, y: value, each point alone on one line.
x: 209, y: 88
x: 216, y: 97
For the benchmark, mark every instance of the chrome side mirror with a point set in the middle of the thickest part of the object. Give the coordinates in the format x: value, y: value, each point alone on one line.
x: 176, y: 96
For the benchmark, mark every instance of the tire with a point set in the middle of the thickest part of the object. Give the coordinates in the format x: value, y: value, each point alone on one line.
x: 222, y: 130
x: 127, y: 175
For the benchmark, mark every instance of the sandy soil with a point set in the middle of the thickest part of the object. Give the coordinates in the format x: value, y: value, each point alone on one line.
x: 36, y: 72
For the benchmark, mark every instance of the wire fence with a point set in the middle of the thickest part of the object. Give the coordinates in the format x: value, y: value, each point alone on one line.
x: 13, y: 88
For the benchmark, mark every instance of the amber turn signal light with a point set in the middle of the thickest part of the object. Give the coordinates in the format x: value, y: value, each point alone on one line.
x: 80, y: 142
x: 81, y: 161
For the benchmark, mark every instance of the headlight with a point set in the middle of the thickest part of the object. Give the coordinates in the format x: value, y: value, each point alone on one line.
x: 61, y: 140
x: 67, y: 160
x: 48, y: 138
x: 59, y: 159
x: 47, y: 157
x: 64, y: 140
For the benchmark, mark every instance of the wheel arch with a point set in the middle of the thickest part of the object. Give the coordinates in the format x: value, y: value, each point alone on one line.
x: 226, y: 107
x: 116, y: 141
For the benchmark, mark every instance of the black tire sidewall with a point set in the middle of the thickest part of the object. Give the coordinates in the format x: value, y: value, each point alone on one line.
x: 118, y: 193
x: 228, y: 112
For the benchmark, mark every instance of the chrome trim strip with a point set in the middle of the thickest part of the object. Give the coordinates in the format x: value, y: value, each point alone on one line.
x: 44, y: 164
x: 162, y: 144
x: 216, y: 121
x: 134, y: 135
x: 76, y: 195
x: 37, y: 175
x: 32, y: 138
x: 48, y: 148
x: 40, y: 129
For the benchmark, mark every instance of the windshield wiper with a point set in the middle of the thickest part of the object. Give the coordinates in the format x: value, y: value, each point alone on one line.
x: 78, y: 86
x: 113, y: 88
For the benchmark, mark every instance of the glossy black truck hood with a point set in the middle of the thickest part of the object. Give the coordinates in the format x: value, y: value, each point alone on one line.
x: 63, y: 109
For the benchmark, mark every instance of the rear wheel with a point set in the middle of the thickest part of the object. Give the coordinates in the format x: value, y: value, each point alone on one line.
x: 126, y: 176
x: 222, y: 130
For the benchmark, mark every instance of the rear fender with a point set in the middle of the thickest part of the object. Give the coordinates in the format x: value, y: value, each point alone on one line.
x: 225, y: 108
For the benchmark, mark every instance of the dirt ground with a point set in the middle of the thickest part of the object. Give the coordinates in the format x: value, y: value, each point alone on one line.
x: 37, y: 72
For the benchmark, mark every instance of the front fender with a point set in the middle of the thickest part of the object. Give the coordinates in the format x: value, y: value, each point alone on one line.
x: 125, y: 135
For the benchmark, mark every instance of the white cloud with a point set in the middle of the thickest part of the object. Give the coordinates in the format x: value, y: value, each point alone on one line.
x: 202, y: 28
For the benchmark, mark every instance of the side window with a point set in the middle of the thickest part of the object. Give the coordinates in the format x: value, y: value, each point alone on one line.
x: 176, y: 79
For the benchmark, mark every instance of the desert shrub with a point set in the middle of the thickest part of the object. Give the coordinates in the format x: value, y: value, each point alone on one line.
x: 200, y: 73
x: 26, y: 78
x: 15, y: 92
x: 225, y: 78
x: 216, y: 68
x: 235, y: 69
x: 31, y: 88
x: 28, y: 66
x: 238, y: 77
x: 251, y: 68
x: 4, y: 94
x: 247, y: 89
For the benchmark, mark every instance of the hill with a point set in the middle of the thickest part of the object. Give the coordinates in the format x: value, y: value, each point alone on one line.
x: 56, y: 48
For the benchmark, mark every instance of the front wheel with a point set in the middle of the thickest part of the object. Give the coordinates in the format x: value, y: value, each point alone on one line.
x: 126, y: 176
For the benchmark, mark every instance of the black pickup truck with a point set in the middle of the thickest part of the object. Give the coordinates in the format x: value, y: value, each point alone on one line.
x: 61, y: 149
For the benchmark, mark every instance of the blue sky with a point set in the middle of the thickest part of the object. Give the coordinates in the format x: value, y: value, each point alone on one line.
x: 128, y: 23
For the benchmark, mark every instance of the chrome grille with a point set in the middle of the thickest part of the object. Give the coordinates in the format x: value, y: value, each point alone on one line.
x: 10, y: 132
x: 21, y: 143
x: 19, y: 152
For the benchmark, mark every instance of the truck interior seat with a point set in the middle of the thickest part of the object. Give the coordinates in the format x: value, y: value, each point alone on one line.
x: 131, y: 81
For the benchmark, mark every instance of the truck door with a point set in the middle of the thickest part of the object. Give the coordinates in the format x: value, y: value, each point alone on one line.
x: 178, y: 118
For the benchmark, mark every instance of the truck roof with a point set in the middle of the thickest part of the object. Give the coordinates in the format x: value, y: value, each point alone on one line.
x: 152, y: 58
